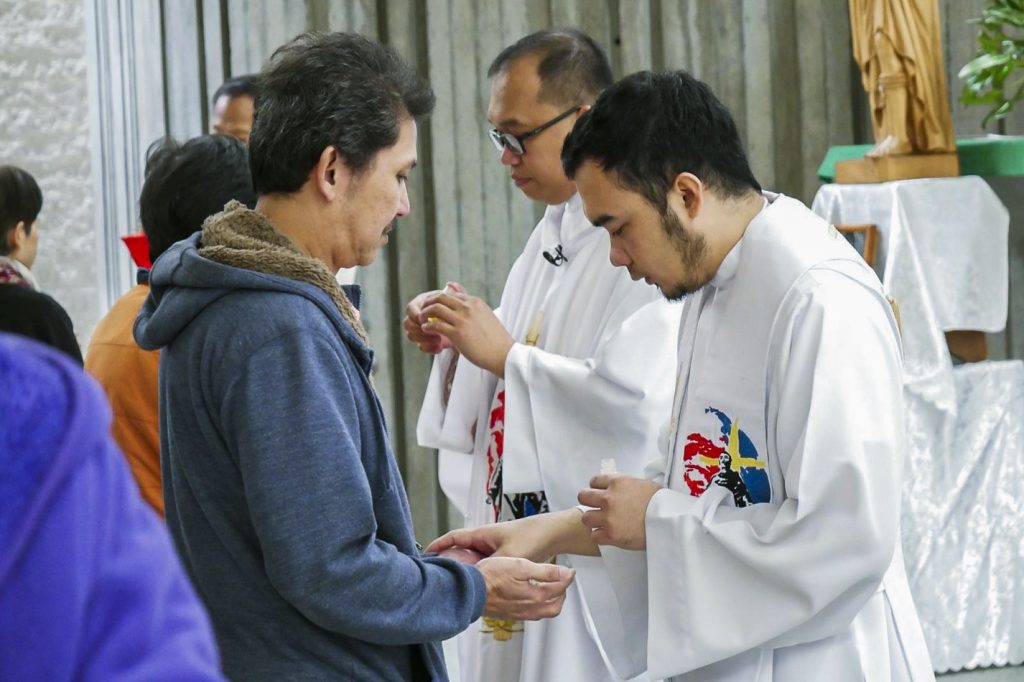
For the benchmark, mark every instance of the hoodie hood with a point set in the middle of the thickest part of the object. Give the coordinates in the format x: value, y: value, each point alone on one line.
x: 183, y: 284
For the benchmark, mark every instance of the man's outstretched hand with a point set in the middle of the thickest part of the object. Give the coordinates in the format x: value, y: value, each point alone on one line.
x: 463, y: 555
x: 519, y: 589
x: 537, y: 538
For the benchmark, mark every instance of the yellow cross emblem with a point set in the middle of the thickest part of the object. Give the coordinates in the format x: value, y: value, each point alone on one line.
x: 733, y: 449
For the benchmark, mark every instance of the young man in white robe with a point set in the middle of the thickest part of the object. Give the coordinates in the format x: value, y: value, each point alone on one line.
x: 525, y: 401
x: 764, y: 543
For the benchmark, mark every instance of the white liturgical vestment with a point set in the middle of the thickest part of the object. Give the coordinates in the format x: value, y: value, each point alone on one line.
x: 773, y: 553
x: 588, y: 379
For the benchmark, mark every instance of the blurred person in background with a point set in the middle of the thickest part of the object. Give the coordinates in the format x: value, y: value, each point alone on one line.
x: 234, y: 107
x: 23, y: 308
x: 184, y: 184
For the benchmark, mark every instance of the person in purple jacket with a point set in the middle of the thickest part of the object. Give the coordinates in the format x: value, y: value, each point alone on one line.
x: 90, y: 587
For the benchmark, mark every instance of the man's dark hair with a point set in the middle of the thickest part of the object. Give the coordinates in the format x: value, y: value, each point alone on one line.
x: 325, y: 90
x: 649, y: 127
x: 239, y: 86
x: 20, y: 200
x: 573, y: 69
x: 186, y: 183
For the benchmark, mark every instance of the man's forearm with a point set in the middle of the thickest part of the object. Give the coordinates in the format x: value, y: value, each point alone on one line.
x: 568, y: 535
x: 537, y: 538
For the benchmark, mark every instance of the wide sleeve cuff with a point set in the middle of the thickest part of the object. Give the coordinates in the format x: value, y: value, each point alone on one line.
x: 520, y: 462
x: 451, y: 425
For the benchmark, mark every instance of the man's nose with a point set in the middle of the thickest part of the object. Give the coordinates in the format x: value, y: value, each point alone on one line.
x: 510, y: 158
x: 403, y: 202
x: 619, y: 258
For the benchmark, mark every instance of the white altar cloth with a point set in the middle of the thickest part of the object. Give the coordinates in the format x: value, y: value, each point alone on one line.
x: 943, y: 256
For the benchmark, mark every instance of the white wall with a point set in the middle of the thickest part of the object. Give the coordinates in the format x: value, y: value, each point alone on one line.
x: 44, y: 128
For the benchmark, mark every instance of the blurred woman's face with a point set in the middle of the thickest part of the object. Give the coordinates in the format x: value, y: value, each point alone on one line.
x: 26, y: 243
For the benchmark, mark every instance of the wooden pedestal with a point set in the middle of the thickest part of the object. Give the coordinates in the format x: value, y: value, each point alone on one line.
x: 897, y: 167
x: 967, y: 345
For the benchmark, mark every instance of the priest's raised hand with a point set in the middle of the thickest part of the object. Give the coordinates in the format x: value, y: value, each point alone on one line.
x: 428, y: 342
x: 471, y: 326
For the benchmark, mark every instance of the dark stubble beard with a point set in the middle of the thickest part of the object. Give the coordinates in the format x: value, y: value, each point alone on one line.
x: 692, y: 249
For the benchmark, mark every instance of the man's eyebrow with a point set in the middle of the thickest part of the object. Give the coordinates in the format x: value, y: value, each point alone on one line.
x: 510, y: 123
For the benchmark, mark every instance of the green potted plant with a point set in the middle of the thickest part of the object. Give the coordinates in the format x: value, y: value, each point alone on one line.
x: 995, y: 78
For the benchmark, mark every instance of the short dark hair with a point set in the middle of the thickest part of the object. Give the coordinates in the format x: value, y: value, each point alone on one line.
x: 239, y: 86
x: 649, y: 127
x: 573, y: 69
x: 186, y: 183
x: 20, y: 201
x: 325, y: 90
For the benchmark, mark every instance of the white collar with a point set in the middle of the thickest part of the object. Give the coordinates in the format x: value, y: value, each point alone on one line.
x: 727, y: 270
x: 565, y: 225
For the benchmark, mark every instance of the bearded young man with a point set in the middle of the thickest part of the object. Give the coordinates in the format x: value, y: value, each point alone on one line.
x: 765, y: 542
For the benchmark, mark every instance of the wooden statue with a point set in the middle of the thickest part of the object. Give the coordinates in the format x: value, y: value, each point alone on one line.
x: 897, y: 45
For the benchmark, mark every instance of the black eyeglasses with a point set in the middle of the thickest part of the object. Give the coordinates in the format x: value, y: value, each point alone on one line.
x: 515, y: 143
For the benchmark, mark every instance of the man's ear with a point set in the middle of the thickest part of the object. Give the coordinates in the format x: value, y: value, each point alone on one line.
x: 331, y: 174
x: 688, y: 193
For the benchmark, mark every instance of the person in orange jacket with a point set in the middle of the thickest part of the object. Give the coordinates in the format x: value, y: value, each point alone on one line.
x: 184, y: 184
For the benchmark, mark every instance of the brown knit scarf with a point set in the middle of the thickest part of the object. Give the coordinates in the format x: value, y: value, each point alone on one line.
x: 245, y: 239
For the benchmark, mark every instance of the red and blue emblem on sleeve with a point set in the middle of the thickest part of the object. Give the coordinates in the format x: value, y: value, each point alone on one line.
x: 728, y: 459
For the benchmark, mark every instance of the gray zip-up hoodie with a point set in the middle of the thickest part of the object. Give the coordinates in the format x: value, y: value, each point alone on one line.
x: 280, y: 487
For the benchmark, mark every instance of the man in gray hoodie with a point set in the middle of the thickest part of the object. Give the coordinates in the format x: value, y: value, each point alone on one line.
x: 280, y: 487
